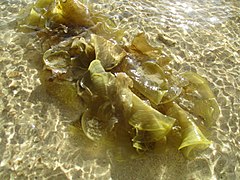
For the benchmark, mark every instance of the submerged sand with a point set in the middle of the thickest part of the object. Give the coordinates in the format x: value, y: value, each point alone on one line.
x: 201, y: 36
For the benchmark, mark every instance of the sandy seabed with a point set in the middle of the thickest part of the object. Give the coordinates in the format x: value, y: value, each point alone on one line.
x: 34, y: 140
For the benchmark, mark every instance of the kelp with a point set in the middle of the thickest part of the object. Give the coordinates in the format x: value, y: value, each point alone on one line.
x: 148, y: 82
x: 192, y: 137
x: 140, y: 46
x: 203, y: 102
x: 126, y: 94
x: 109, y: 53
x: 52, y: 14
x: 150, y: 124
x: 102, y: 93
x: 64, y: 91
x: 45, y: 12
x: 106, y: 96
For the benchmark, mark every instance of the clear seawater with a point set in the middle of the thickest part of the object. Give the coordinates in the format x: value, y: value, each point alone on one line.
x: 34, y: 139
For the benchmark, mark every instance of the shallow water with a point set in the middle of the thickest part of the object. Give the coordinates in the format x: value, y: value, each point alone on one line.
x: 202, y: 36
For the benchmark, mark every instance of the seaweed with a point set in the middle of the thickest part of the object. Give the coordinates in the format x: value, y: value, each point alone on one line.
x: 125, y: 93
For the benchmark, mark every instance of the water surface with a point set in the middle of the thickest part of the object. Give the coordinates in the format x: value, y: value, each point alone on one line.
x: 201, y: 36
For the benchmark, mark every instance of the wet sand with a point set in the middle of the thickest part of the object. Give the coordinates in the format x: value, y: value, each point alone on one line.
x: 201, y: 36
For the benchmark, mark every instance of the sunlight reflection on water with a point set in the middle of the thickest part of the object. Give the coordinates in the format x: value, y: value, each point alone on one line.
x: 34, y: 136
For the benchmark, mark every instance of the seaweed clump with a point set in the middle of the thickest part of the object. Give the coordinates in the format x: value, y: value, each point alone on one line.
x: 125, y: 93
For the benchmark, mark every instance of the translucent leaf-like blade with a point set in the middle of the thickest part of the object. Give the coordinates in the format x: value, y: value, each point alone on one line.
x: 148, y: 119
x: 192, y: 137
x: 109, y: 53
x: 57, y: 62
x: 199, y: 98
